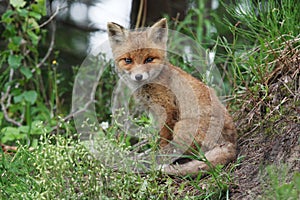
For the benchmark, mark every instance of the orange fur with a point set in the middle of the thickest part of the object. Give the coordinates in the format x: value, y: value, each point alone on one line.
x: 189, y: 110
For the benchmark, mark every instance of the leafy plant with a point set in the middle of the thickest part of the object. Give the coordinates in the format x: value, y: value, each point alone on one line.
x: 24, y: 95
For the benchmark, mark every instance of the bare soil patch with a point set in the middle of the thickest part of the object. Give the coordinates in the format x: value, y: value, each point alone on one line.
x: 269, y: 129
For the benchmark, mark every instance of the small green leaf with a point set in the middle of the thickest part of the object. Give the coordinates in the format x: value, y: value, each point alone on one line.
x: 10, y: 30
x: 24, y: 129
x: 40, y: 7
x: 297, y: 180
x: 34, y: 143
x: 7, y: 16
x: 35, y: 15
x: 14, y: 91
x: 7, y: 137
x: 13, y: 47
x: 18, y: 98
x: 23, y: 12
x: 16, y: 40
x: 36, y: 128
x: 17, y: 3
x: 11, y: 134
x: 15, y: 61
x: 33, y: 24
x: 34, y: 37
x: 26, y: 72
x: 1, y: 117
x: 30, y: 96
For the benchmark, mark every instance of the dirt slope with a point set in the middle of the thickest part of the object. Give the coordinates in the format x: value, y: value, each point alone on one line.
x: 269, y: 129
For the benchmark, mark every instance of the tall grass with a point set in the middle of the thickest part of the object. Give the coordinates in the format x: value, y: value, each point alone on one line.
x: 261, y: 30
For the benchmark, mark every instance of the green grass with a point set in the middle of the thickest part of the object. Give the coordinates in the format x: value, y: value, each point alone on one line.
x: 278, y: 183
x: 63, y: 168
x: 58, y: 168
x: 262, y: 50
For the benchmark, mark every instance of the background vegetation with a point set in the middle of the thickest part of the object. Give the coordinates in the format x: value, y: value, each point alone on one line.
x: 256, y: 46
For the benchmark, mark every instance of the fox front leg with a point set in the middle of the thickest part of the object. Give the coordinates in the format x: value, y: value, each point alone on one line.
x: 185, y: 132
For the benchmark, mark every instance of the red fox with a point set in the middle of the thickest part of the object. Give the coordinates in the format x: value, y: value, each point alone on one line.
x: 193, y: 119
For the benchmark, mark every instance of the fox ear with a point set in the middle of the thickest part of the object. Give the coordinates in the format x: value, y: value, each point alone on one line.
x: 116, y: 33
x: 158, y: 32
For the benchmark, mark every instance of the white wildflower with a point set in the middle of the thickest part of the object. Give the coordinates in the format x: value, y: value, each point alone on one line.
x: 104, y: 125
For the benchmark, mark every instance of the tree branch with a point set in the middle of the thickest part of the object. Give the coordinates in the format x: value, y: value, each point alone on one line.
x: 50, y: 49
x: 51, y: 17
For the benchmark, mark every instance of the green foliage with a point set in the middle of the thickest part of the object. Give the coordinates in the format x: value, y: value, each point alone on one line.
x: 277, y: 186
x: 25, y: 92
x: 21, y: 132
x: 58, y: 168
x: 261, y: 30
x: 214, y: 183
x: 61, y: 168
x: 104, y: 92
x: 200, y: 29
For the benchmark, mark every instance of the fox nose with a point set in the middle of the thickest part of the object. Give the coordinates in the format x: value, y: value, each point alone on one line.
x: 139, y: 77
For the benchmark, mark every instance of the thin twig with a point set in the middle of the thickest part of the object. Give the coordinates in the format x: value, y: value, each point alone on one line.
x: 140, y: 11
x: 7, y: 148
x: 87, y: 104
x: 11, y: 74
x: 72, y: 114
x: 50, y: 18
x: 144, y: 14
x: 136, y: 147
x: 285, y: 85
x: 277, y: 107
x: 7, y: 96
x: 50, y: 49
x: 7, y: 117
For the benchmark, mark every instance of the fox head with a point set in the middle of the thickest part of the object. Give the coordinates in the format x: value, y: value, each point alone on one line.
x: 139, y: 55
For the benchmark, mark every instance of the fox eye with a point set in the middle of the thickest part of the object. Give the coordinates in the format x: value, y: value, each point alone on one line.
x: 149, y: 59
x: 128, y: 60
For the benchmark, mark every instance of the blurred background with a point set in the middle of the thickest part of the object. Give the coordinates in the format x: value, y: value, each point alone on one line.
x: 81, y: 25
